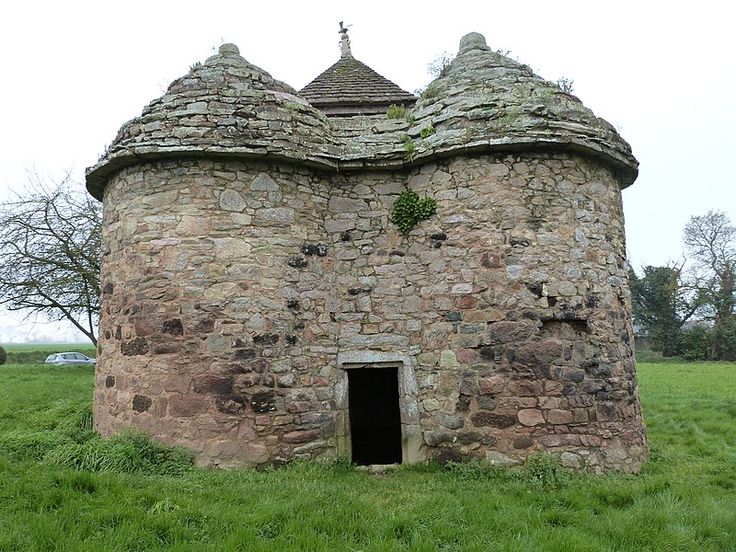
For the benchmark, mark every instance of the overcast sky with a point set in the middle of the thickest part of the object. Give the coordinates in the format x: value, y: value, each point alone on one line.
x: 661, y: 72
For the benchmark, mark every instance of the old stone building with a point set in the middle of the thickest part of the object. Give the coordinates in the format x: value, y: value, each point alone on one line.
x: 259, y: 304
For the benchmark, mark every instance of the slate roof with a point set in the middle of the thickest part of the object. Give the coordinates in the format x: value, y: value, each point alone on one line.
x: 350, y: 87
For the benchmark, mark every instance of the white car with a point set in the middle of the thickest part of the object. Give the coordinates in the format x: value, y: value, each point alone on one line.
x: 69, y: 358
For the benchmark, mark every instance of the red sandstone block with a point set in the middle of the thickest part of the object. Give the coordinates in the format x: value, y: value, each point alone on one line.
x: 557, y: 416
x: 303, y: 436
x: 185, y: 406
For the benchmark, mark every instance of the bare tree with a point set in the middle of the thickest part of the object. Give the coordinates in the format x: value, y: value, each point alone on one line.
x: 50, y: 254
x: 711, y: 243
x: 439, y: 66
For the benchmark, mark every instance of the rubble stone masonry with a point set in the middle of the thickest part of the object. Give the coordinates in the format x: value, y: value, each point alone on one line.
x: 235, y: 292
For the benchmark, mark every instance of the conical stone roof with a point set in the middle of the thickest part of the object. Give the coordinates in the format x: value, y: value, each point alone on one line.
x: 484, y: 102
x: 225, y: 107
x: 487, y: 100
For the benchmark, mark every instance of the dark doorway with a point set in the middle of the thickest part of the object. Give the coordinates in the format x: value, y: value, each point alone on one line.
x: 375, y: 422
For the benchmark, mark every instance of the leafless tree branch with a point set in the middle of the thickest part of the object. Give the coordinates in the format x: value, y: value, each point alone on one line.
x: 49, y: 254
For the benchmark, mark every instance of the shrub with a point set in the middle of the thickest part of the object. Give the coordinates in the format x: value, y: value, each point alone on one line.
x: 440, y: 66
x: 396, y: 111
x: 565, y: 84
x: 431, y: 91
x: 697, y: 343
x: 3, y: 355
x: 409, y: 209
x: 128, y: 452
x: 22, y: 444
x: 409, y: 148
x: 544, y: 470
x: 426, y: 132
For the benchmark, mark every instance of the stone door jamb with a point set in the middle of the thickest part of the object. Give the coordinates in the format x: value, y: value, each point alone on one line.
x: 412, y: 440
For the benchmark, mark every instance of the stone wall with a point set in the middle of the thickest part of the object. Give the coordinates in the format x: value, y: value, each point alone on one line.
x: 234, y: 295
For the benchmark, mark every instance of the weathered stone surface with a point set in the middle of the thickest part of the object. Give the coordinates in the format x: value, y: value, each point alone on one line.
x: 482, y: 419
x: 487, y: 403
x: 436, y: 438
x: 165, y: 348
x: 557, y: 416
x: 187, y: 406
x: 491, y: 260
x: 141, y: 403
x: 173, y: 327
x: 347, y: 205
x: 448, y: 359
x: 230, y: 200
x: 509, y: 332
x: 211, y: 383
x: 263, y: 183
x: 275, y: 215
x: 495, y: 457
x: 521, y: 110
x: 263, y: 402
x: 570, y: 460
x: 246, y: 276
x: 230, y: 404
x: 301, y: 436
x: 298, y: 261
x: 540, y: 352
x: 137, y: 346
x: 530, y: 417
x: 449, y: 421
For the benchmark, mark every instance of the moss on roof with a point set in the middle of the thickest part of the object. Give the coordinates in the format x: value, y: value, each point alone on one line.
x: 484, y: 102
x: 352, y: 82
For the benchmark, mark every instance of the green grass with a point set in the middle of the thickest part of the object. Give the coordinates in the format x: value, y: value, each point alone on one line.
x: 684, y: 499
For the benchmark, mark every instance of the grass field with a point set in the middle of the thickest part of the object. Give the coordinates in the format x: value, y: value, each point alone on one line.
x: 684, y: 499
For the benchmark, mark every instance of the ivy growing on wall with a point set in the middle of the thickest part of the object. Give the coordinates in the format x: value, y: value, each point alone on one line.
x: 409, y: 209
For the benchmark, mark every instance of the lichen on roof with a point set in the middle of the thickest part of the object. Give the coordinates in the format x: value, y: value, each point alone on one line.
x: 483, y: 102
x: 351, y: 83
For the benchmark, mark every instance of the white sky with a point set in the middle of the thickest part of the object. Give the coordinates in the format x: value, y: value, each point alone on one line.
x: 662, y: 72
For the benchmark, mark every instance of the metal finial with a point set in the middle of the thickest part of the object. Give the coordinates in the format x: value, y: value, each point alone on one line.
x: 345, y: 40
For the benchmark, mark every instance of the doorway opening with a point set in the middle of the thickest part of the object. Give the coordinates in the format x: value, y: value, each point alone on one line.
x: 375, y: 417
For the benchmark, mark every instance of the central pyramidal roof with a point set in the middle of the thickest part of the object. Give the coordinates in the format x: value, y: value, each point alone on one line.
x: 350, y: 87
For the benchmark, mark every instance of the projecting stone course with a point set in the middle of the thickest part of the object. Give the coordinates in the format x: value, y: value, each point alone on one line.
x: 243, y: 274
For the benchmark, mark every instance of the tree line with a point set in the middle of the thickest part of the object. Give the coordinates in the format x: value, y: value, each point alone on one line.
x: 50, y: 265
x: 689, y: 308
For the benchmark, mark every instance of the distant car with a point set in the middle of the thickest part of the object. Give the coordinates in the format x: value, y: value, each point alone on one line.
x: 69, y: 358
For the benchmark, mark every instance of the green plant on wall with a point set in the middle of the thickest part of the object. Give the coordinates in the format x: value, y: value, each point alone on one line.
x: 409, y: 209
x: 409, y: 147
x: 396, y: 111
x: 426, y: 132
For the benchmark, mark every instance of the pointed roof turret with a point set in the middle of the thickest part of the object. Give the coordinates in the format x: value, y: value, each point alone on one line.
x: 350, y: 87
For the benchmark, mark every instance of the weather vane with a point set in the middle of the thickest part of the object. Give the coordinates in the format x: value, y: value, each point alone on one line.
x: 344, y: 40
